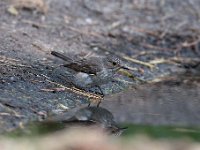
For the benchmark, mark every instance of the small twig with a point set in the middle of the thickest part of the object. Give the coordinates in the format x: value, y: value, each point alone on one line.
x: 144, y: 53
x: 161, y: 61
x: 63, y: 107
x: 5, y: 114
x: 115, y: 25
x: 151, y: 66
x: 12, y: 61
x: 77, y: 91
x: 40, y: 48
x: 14, y: 64
x: 4, y: 58
x: 186, y: 130
x: 186, y: 44
x: 145, y: 31
x: 35, y: 24
x: 184, y: 59
x: 174, y: 60
x: 95, y: 34
x: 156, y: 47
x: 14, y: 113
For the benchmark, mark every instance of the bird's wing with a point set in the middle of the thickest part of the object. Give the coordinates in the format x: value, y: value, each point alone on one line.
x: 61, y: 56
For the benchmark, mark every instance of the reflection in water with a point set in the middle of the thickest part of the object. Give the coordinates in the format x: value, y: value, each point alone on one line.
x: 97, y: 116
x: 91, y: 117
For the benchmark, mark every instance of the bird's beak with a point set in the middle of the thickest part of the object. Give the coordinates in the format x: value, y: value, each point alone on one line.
x: 118, y: 130
x: 123, y: 128
x: 124, y: 67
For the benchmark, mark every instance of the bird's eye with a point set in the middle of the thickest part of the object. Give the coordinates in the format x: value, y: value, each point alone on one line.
x: 114, y: 63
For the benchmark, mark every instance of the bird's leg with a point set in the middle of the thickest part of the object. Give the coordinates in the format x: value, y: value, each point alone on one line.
x: 101, y: 90
x: 99, y: 103
x: 101, y: 94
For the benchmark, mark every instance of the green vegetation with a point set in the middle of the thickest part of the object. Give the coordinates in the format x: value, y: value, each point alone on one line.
x: 160, y: 132
x: 157, y: 132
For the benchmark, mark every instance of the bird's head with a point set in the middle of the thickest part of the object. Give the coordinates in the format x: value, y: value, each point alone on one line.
x: 114, y: 62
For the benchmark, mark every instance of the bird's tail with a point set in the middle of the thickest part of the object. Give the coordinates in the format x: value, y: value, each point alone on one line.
x: 59, y: 55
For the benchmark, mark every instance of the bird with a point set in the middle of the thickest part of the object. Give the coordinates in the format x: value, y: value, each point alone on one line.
x: 98, y: 116
x: 90, y: 71
x: 84, y: 81
x: 83, y: 62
